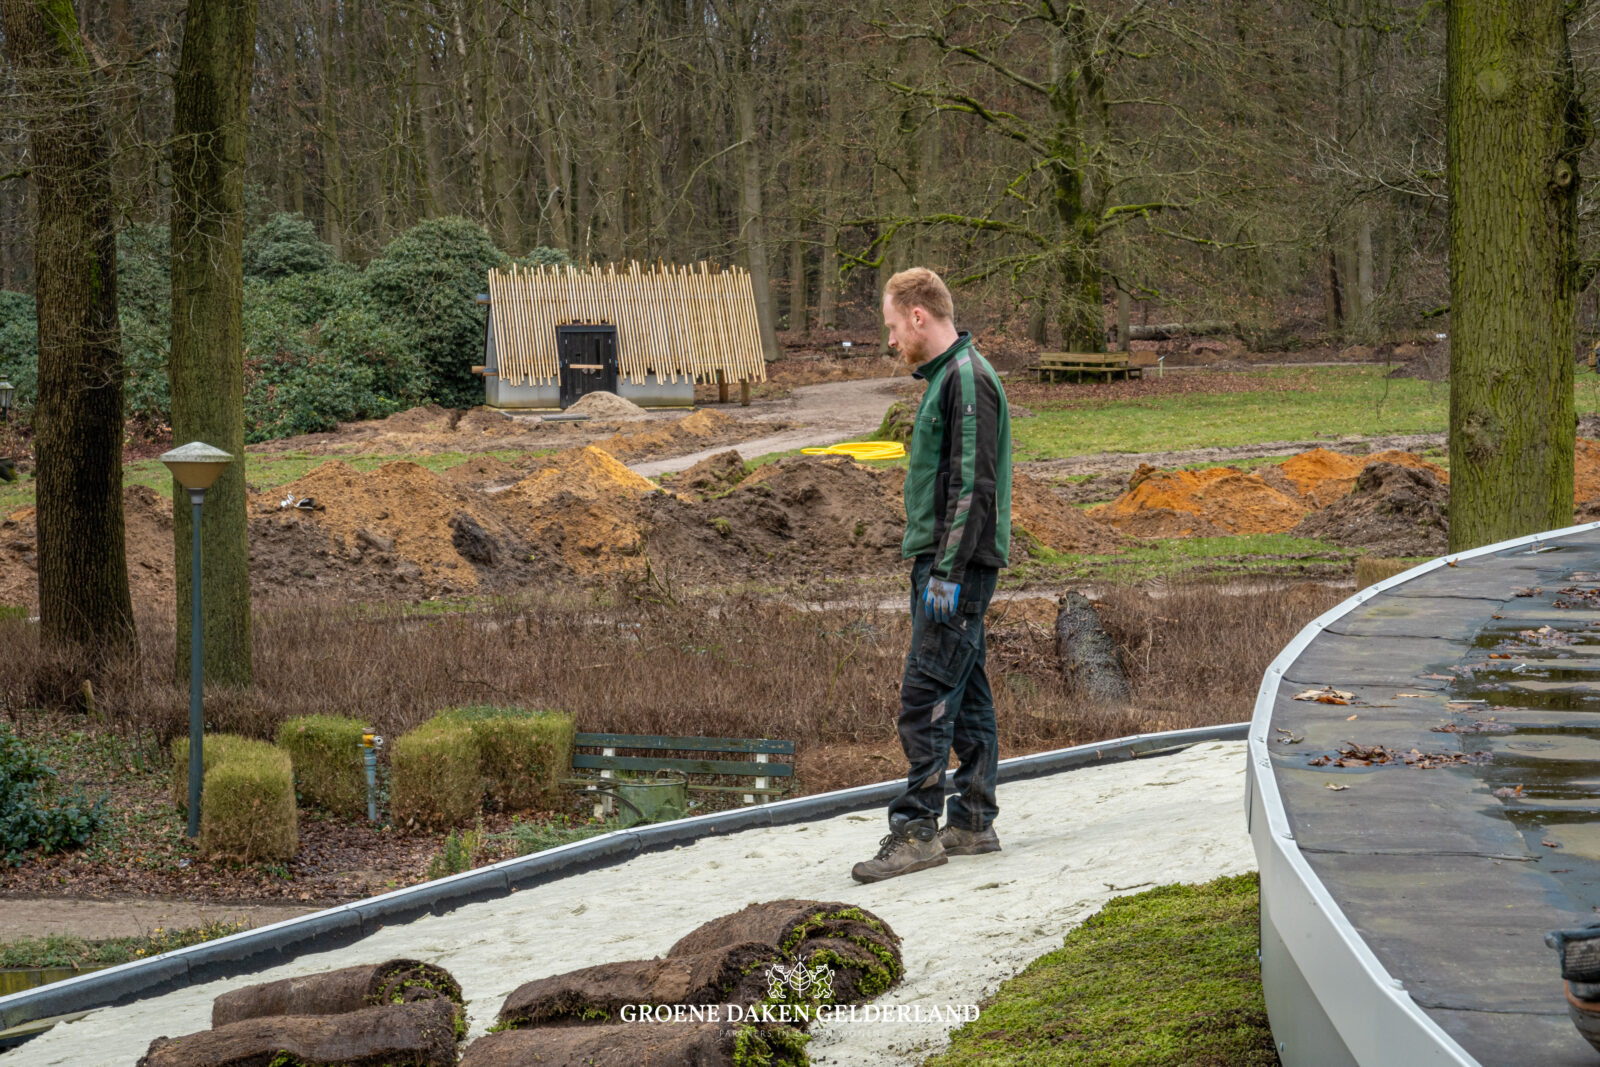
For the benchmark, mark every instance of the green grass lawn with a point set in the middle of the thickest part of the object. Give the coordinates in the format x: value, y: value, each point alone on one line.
x: 59, y: 950
x: 267, y: 471
x: 1178, y: 557
x: 1164, y: 978
x: 1292, y: 404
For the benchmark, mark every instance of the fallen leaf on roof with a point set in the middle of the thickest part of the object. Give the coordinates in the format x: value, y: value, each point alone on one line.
x: 1547, y: 843
x: 1351, y: 718
x: 1326, y: 695
x: 1337, y: 788
x: 1291, y: 737
x: 1507, y: 791
x: 1436, y: 677
x: 1410, y: 696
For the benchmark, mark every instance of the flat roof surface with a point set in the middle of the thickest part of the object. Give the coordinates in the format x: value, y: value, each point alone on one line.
x: 1452, y: 806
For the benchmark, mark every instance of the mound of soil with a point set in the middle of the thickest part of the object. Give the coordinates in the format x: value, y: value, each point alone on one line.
x: 580, y: 513
x: 1586, y: 471
x: 1323, y: 477
x: 485, y: 472
x: 1393, y: 510
x: 604, y: 405
x: 692, y: 432
x: 1056, y: 524
x: 147, y: 532
x: 799, y: 515
x: 1217, y: 500
x: 430, y: 418
x: 399, y: 519
x: 712, y: 476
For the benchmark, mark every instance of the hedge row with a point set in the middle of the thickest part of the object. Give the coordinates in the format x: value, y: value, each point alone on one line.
x: 445, y: 768
x: 442, y: 773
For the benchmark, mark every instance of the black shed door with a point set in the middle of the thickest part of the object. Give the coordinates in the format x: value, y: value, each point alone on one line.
x: 588, y: 361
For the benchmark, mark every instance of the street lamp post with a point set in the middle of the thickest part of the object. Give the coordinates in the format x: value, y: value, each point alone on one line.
x: 8, y: 467
x: 196, y: 466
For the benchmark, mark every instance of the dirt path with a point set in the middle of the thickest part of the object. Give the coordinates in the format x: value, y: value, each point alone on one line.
x: 831, y: 412
x: 1120, y: 462
x: 96, y: 920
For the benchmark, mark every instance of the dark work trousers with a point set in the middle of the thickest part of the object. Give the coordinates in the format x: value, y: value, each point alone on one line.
x: 945, y: 704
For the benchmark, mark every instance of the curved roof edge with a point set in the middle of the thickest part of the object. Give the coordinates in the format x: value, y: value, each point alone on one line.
x: 1368, y: 1008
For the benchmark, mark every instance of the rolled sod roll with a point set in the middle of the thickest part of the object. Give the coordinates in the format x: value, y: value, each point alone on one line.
x: 422, y: 1034
x: 337, y: 992
x: 812, y: 932
x: 663, y: 1044
x: 733, y: 974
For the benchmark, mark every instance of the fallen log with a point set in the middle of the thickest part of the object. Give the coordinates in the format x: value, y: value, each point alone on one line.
x: 1088, y: 654
x: 734, y: 974
x: 337, y: 992
x: 1165, y: 330
x: 421, y: 1034
x: 645, y: 1044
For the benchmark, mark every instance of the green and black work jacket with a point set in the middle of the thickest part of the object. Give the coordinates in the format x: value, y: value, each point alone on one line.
x: 958, y: 487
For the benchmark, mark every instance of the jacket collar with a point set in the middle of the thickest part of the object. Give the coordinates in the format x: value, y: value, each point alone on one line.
x: 931, y: 366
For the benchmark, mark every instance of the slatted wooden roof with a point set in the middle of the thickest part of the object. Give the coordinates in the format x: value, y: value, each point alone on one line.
x: 674, y: 320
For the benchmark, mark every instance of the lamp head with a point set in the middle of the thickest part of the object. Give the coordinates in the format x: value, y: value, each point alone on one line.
x: 196, y: 465
x: 6, y: 391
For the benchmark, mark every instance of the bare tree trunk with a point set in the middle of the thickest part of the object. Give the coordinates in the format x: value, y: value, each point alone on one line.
x: 83, y: 570
x: 474, y: 145
x: 210, y: 97
x: 833, y: 153
x: 1516, y: 128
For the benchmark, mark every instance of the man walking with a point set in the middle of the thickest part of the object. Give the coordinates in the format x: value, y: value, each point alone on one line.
x: 958, y: 532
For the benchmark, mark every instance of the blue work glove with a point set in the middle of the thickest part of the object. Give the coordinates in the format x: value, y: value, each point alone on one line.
x: 939, y: 599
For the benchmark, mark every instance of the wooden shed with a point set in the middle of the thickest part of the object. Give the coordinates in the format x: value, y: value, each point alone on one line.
x: 645, y: 333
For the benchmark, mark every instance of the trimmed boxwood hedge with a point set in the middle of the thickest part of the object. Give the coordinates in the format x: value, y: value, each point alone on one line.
x: 328, y: 767
x: 522, y: 753
x: 435, y: 782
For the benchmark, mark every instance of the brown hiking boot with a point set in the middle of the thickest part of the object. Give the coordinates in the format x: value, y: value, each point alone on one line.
x: 959, y: 842
x: 900, y: 853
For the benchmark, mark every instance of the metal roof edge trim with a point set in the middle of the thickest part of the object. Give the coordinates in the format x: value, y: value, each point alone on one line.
x: 346, y: 923
x: 1325, y: 945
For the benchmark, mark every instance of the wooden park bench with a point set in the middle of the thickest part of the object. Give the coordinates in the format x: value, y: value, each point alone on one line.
x: 759, y: 767
x: 1110, y: 364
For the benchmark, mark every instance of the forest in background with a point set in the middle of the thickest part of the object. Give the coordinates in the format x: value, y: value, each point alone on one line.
x: 1278, y: 165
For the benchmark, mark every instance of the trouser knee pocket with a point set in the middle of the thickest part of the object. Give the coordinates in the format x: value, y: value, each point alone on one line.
x: 946, y: 650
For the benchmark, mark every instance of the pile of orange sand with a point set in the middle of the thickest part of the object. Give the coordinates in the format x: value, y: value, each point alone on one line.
x: 1271, y: 499
x: 1323, y: 477
x: 1201, y: 503
x: 1586, y: 472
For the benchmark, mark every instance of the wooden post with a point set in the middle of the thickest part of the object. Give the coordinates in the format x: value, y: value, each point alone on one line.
x: 722, y: 386
x: 603, y: 809
x: 744, y: 392
x: 761, y: 782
